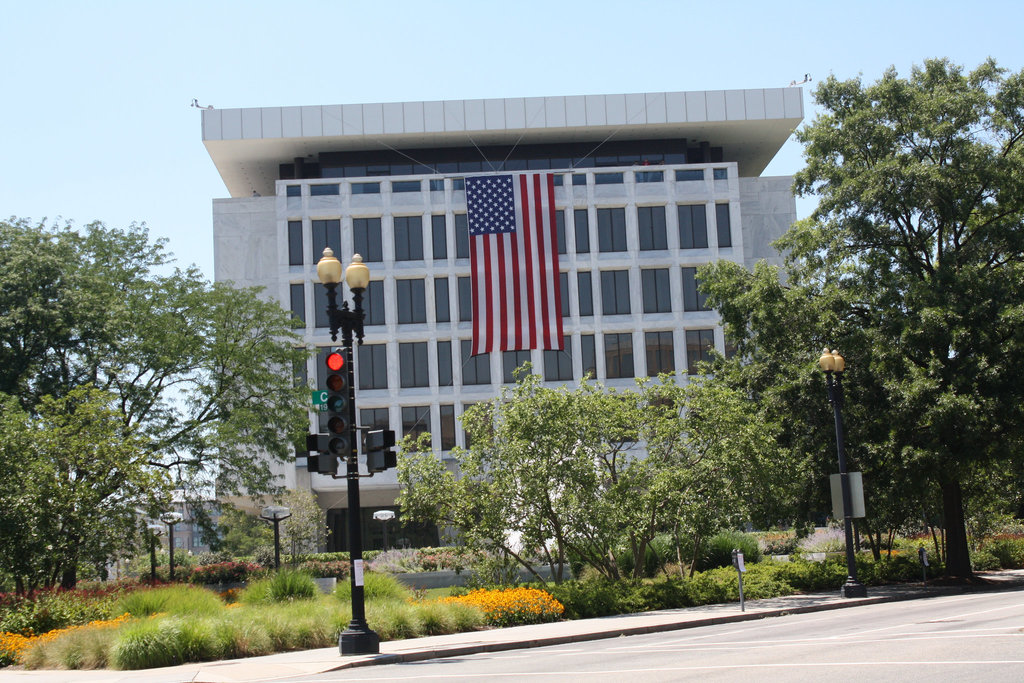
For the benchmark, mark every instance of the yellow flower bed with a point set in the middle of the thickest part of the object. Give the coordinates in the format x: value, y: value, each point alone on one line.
x: 513, y: 606
x: 13, y: 645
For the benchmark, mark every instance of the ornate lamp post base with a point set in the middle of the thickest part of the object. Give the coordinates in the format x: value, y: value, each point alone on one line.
x: 853, y: 589
x: 358, y: 639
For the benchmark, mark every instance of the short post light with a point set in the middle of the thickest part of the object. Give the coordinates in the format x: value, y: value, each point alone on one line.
x: 833, y: 365
x: 155, y: 531
x: 357, y: 638
x: 384, y: 516
x: 170, y: 519
x: 275, y: 514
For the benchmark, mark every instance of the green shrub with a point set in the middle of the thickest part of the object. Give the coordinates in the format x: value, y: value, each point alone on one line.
x: 375, y: 587
x: 223, y: 572
x: 164, y: 642
x: 1009, y: 552
x: 983, y: 560
x: 325, y: 568
x: 213, y: 557
x: 394, y: 619
x: 45, y: 610
x: 282, y: 586
x: 177, y: 599
x: 717, y: 551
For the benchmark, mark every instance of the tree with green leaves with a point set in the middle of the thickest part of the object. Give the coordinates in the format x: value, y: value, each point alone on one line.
x: 913, y: 265
x: 201, y: 373
x: 306, y: 530
x: 74, y: 480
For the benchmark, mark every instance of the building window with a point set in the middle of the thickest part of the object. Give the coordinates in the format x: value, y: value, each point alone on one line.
x: 581, y: 225
x: 649, y: 176
x: 320, y: 306
x: 588, y: 354
x: 447, y: 427
x: 465, y: 299
x: 364, y: 188
x: 408, y: 238
x: 442, y: 309
x: 651, y: 226
x: 558, y: 364
x: 607, y: 178
x: 611, y: 229
x: 693, y: 299
x: 411, y: 300
x: 656, y: 290
x: 444, y: 363
x: 415, y: 420
x: 510, y: 362
x: 699, y: 344
x: 461, y: 236
x: 297, y: 294
x: 475, y: 369
x: 690, y: 174
x: 660, y: 354
x: 323, y: 190
x: 326, y: 233
x: 295, y: 243
x: 373, y: 303
x: 560, y: 230
x: 293, y: 190
x: 412, y: 364
x: 366, y: 236
x: 438, y: 237
x: 374, y: 418
x: 618, y: 355
x: 693, y: 226
x: 615, y: 292
x: 723, y: 224
x: 579, y: 179
x: 586, y: 293
x: 720, y: 173
x: 563, y: 289
x: 405, y: 186
x: 437, y: 184
x: 373, y: 366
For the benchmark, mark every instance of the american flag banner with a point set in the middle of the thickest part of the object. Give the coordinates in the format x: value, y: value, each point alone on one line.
x: 514, y: 261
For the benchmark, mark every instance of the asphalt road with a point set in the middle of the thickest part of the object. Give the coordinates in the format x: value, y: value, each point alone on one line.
x: 975, y: 637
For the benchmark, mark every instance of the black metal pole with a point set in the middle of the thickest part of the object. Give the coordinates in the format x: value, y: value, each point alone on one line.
x: 152, y: 557
x: 357, y: 638
x: 170, y: 547
x: 852, y: 588
x: 277, y: 543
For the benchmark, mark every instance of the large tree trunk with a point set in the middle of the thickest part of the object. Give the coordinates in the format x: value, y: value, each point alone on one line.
x: 958, y: 558
x: 69, y: 577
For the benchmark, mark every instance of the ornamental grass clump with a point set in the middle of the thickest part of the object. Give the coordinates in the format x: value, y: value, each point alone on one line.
x: 283, y: 586
x: 176, y: 599
x: 77, y: 647
x: 375, y: 587
x: 513, y: 606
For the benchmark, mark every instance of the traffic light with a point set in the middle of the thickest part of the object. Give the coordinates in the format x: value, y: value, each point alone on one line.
x: 318, y: 457
x: 339, y: 417
x: 379, y: 455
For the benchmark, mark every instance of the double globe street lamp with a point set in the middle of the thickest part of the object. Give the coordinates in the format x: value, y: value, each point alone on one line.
x: 170, y: 519
x: 833, y: 365
x: 275, y: 514
x: 357, y: 638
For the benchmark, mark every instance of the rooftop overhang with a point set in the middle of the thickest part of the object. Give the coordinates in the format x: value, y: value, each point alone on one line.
x: 248, y: 145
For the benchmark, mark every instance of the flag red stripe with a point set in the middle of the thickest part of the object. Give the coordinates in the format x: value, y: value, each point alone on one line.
x: 528, y: 261
x: 541, y: 228
x: 556, y: 317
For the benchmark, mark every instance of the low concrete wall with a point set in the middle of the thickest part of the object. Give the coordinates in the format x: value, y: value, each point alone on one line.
x: 443, y: 579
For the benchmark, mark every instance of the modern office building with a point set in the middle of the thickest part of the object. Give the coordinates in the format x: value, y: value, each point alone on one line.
x: 648, y: 187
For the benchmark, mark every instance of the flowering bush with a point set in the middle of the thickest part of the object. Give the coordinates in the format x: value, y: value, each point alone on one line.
x: 321, y: 568
x: 223, y: 572
x: 513, y: 606
x: 14, y: 645
x: 43, y: 610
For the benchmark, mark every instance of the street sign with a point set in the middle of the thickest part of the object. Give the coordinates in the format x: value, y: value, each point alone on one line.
x: 319, y: 399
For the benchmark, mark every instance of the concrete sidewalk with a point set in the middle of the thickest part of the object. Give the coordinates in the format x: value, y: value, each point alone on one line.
x: 307, y: 662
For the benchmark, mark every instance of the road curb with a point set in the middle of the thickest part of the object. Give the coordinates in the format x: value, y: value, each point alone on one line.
x: 503, y: 646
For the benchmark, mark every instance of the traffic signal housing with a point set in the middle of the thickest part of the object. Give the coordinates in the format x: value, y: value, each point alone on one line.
x: 318, y: 456
x: 378, y: 445
x: 339, y: 406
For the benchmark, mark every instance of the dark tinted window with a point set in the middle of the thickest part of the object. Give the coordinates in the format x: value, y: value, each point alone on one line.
x: 447, y: 427
x: 366, y: 237
x: 465, y: 299
x: 442, y: 310
x: 510, y: 362
x: 326, y: 233
x: 660, y: 354
x: 563, y: 287
x: 693, y: 300
x: 295, y: 243
x: 699, y: 344
x: 656, y: 290
x: 723, y: 224
x: 690, y: 174
x: 611, y: 229
x: 298, y: 301
x: 408, y: 238
x: 365, y: 188
x: 322, y: 190
x: 693, y: 226
x: 405, y: 186
x: 618, y: 355
x: 475, y: 369
x: 651, y: 227
x: 586, y: 293
x: 293, y: 191
x: 444, y: 363
x: 615, y: 292
x: 411, y: 301
x: 582, y: 227
x: 373, y: 366
x: 558, y: 364
x: 374, y: 418
x: 589, y: 355
x: 607, y: 178
x: 415, y: 420
x: 438, y: 238
x: 560, y: 230
x: 461, y: 236
x: 373, y: 303
x: 412, y: 364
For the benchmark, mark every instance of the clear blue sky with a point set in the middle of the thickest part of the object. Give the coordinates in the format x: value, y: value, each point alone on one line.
x: 96, y: 124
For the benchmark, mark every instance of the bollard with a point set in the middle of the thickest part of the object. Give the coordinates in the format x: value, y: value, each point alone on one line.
x: 922, y: 555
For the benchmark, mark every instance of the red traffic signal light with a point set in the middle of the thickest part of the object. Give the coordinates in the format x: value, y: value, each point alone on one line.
x: 335, y: 361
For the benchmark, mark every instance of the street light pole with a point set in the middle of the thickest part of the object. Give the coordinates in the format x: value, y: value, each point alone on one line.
x: 357, y: 638
x: 155, y: 530
x: 170, y: 519
x: 833, y: 366
x: 276, y: 514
